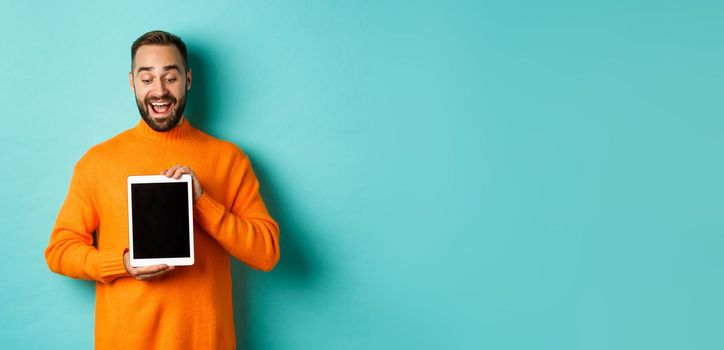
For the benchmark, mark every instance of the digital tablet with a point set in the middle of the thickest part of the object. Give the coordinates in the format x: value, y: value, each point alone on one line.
x: 160, y: 220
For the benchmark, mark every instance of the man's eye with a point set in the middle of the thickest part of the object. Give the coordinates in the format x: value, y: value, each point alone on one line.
x: 145, y: 81
x: 171, y: 80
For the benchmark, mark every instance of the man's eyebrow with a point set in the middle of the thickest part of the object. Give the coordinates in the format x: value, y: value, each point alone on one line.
x: 173, y: 66
x: 141, y: 69
x: 169, y: 67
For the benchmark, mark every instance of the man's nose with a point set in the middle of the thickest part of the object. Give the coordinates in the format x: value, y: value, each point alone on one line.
x: 159, y: 87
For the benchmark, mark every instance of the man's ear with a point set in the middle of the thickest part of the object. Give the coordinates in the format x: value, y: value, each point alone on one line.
x: 188, y: 80
x: 130, y: 80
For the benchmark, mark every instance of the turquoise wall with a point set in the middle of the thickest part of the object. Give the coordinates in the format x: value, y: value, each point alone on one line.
x: 447, y: 175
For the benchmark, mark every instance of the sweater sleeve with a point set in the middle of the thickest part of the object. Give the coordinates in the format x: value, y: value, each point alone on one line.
x: 70, y: 251
x: 244, y: 228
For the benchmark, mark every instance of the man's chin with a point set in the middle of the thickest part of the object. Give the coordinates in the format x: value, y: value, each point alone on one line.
x: 163, y: 123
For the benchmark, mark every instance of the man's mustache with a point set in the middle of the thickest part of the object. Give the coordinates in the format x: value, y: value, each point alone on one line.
x: 166, y: 97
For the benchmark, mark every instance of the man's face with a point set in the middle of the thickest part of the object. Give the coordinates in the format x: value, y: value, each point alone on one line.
x: 160, y: 81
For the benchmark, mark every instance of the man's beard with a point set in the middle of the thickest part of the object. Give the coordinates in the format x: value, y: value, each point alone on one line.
x: 169, y: 122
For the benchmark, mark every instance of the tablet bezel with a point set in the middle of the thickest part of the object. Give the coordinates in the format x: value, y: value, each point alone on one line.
x: 175, y: 261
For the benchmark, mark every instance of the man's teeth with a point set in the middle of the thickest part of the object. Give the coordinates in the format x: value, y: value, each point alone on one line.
x: 160, y: 107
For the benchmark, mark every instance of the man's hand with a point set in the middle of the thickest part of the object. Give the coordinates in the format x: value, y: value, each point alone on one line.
x: 177, y: 170
x: 145, y: 273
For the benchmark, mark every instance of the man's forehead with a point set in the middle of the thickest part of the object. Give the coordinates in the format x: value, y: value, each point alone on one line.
x: 157, y: 57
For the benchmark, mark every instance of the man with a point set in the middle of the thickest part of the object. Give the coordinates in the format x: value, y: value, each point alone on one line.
x: 162, y: 307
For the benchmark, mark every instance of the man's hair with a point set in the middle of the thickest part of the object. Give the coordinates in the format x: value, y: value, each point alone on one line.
x: 159, y: 37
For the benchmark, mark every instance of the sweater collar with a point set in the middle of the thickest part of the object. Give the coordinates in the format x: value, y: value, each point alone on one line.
x: 178, y: 132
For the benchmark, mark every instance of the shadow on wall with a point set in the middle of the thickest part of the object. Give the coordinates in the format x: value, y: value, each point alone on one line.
x: 295, y: 266
x: 199, y: 104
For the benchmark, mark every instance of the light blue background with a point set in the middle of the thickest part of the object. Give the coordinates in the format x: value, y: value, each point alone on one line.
x: 462, y: 175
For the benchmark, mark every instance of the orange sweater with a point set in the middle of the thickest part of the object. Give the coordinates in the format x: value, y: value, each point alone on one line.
x: 190, y: 307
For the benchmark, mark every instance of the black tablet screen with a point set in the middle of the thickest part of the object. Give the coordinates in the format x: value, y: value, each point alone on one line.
x: 160, y: 220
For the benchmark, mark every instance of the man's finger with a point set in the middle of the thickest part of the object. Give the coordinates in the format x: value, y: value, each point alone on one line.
x: 180, y: 171
x: 170, y: 171
x: 154, y: 275
x: 144, y: 270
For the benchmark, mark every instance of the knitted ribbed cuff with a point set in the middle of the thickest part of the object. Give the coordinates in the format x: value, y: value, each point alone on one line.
x: 208, y: 213
x: 111, y: 264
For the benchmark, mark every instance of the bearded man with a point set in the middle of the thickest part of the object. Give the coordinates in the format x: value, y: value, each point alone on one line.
x: 162, y: 306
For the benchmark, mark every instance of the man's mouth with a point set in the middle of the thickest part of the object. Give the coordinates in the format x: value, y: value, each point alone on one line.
x: 160, y: 107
